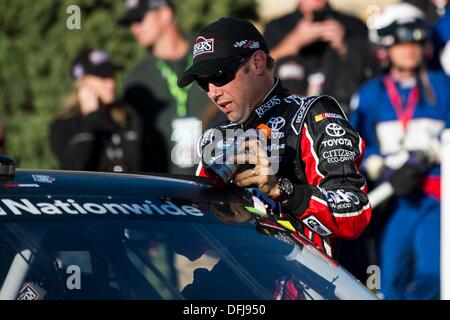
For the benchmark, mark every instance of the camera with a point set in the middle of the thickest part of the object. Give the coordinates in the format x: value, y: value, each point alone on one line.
x: 320, y: 15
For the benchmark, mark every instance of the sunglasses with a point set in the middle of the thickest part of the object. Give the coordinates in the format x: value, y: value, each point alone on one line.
x: 223, y: 76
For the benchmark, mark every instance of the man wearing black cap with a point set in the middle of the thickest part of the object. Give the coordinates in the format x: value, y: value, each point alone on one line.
x: 93, y: 131
x: 171, y: 114
x: 319, y: 152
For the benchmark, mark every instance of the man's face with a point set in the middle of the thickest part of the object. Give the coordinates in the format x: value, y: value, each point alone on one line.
x: 238, y: 97
x: 149, y: 29
x: 407, y: 55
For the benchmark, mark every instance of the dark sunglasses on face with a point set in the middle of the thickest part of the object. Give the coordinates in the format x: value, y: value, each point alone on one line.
x: 224, y: 76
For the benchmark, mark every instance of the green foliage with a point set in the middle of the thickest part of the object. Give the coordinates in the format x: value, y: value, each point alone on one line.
x: 195, y: 14
x: 37, y: 48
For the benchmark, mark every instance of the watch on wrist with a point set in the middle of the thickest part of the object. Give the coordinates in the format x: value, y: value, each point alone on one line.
x: 286, y: 189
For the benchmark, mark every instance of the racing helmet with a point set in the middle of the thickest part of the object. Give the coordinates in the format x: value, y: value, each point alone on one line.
x: 399, y: 23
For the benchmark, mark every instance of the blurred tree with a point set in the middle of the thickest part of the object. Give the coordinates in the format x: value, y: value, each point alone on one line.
x: 37, y: 48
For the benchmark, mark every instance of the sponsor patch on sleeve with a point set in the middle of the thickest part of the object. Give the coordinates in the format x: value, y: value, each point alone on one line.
x: 315, y: 225
x: 328, y: 115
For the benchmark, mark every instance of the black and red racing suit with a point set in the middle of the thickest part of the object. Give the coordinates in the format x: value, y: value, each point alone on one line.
x: 320, y: 153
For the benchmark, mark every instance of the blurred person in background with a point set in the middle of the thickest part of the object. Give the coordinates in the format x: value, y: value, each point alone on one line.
x: 171, y: 114
x: 441, y: 40
x: 333, y: 48
x: 433, y: 9
x: 93, y: 131
x: 292, y: 72
x: 401, y: 115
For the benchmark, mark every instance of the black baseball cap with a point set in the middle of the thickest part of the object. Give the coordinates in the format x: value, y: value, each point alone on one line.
x: 137, y: 9
x: 220, y: 44
x: 95, y: 62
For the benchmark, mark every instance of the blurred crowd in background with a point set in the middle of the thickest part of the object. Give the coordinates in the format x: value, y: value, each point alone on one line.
x: 144, y: 122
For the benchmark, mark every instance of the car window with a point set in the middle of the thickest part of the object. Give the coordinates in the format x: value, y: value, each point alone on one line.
x: 162, y: 259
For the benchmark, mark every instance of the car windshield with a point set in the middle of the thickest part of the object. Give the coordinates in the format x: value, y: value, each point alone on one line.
x: 129, y: 259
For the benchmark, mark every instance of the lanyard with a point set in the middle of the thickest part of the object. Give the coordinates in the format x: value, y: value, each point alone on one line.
x: 179, y: 94
x: 403, y: 114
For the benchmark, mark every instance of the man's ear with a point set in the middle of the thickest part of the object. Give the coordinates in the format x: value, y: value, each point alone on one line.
x: 258, y: 62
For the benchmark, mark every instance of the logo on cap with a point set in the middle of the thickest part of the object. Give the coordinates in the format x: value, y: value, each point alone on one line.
x: 203, y: 46
x: 251, y: 44
x: 132, y: 4
x: 98, y: 57
x: 78, y: 71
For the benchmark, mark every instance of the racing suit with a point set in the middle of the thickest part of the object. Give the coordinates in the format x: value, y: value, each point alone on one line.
x: 411, y: 237
x: 319, y: 152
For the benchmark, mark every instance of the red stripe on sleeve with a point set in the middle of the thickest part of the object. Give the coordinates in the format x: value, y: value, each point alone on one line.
x: 309, y: 157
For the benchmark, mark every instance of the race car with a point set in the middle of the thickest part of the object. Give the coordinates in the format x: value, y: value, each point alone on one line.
x: 85, y: 235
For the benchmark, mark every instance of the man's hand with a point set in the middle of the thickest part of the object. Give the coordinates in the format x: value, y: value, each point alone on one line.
x: 307, y: 32
x: 404, y: 179
x: 333, y: 32
x: 261, y: 174
x: 304, y: 33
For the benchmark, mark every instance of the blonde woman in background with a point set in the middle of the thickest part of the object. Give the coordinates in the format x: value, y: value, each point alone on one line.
x: 93, y: 131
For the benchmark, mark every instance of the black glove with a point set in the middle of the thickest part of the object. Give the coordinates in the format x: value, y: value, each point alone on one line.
x: 404, y: 179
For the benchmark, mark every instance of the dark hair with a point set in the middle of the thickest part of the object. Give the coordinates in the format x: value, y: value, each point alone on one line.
x: 270, y: 62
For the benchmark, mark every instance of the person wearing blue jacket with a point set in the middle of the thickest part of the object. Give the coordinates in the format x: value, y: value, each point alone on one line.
x: 441, y: 39
x: 401, y: 115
